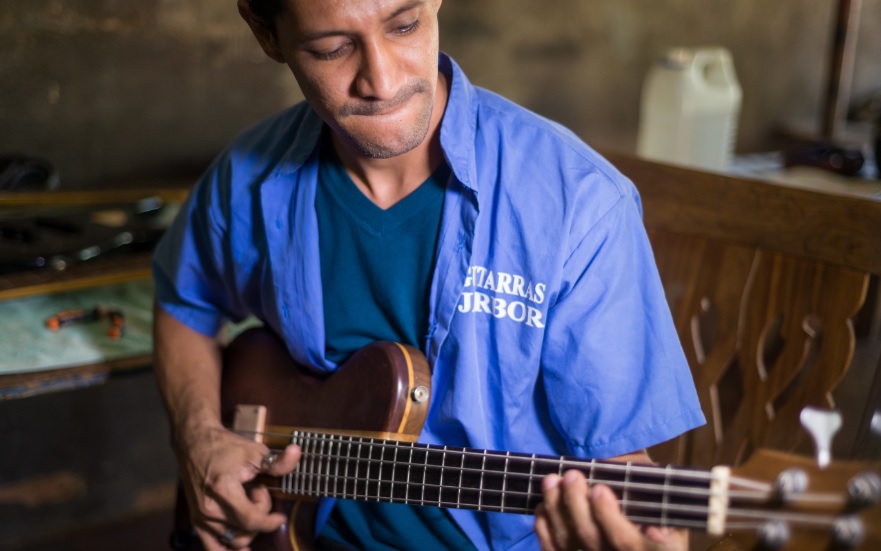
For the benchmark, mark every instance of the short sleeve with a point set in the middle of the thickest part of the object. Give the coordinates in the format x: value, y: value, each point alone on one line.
x: 191, y: 263
x: 612, y: 365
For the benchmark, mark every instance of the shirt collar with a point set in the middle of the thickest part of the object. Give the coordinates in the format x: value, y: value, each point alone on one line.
x: 458, y: 128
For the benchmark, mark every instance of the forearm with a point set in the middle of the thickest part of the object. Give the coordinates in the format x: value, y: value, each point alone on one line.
x: 187, y: 366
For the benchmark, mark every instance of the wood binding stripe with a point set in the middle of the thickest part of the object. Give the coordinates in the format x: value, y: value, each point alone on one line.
x: 281, y: 435
x: 410, y: 382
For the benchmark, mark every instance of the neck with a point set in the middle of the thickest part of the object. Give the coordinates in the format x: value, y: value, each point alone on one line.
x: 387, y: 181
x: 367, y: 469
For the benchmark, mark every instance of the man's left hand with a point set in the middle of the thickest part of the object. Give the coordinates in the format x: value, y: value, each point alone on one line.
x: 574, y: 517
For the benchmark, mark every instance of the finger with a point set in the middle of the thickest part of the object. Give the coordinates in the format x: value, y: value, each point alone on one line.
x: 227, y: 536
x: 658, y: 534
x: 543, y: 529
x: 556, y: 523
x: 577, y: 511
x: 616, y: 528
x: 667, y: 538
x: 248, y: 515
x: 209, y: 539
x: 278, y: 464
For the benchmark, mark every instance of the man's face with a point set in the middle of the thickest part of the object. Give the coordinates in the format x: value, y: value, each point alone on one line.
x: 368, y: 67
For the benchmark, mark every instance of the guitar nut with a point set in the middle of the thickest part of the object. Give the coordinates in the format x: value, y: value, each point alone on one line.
x: 419, y: 394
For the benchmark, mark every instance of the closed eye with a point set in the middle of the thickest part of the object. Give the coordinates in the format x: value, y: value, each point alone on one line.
x: 332, y: 54
x: 407, y: 29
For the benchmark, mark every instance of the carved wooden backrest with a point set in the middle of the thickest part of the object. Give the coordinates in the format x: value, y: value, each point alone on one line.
x: 763, y: 281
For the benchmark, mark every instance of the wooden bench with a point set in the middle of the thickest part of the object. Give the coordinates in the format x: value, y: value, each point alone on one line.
x: 766, y: 283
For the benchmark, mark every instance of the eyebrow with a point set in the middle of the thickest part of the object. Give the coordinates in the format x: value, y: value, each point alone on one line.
x: 309, y: 37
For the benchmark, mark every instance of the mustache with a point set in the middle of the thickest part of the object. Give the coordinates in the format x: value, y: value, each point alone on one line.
x: 369, y: 107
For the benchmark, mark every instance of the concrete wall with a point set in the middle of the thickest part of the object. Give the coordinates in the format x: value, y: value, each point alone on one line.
x: 115, y: 91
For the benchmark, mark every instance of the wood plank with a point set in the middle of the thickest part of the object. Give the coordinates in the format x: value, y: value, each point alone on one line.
x: 88, y: 198
x: 839, y: 229
x: 23, y: 385
x: 98, y: 272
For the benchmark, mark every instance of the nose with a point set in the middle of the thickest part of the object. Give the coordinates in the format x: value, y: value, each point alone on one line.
x: 378, y: 74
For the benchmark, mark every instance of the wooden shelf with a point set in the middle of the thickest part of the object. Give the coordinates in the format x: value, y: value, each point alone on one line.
x: 104, y: 271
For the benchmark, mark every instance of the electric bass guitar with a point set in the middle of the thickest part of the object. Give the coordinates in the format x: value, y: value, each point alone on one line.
x: 358, y: 428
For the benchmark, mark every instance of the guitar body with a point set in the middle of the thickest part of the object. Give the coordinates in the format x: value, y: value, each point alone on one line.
x: 372, y: 393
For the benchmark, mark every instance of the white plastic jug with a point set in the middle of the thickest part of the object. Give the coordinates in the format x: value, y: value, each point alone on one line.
x: 689, y: 109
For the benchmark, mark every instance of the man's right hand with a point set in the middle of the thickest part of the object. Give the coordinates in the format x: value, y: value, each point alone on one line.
x: 216, y: 464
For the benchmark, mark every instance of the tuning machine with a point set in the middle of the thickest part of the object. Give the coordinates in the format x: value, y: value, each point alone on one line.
x: 822, y: 425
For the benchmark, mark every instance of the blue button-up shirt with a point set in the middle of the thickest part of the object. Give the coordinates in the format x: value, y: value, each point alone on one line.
x: 549, y: 331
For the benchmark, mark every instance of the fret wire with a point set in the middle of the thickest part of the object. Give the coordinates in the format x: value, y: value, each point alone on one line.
x: 346, y: 467
x: 327, y: 470
x: 394, y: 465
x: 461, y: 474
x: 480, y: 490
x: 314, y: 469
x: 295, y: 476
x: 379, y: 474
x: 357, y: 467
x: 336, y: 469
x: 369, y: 462
x: 531, y: 473
x: 305, y: 482
x: 590, y: 481
x: 440, y: 485
x: 304, y: 464
x: 424, y: 474
x: 409, y: 469
x: 626, y: 489
x: 298, y: 483
x: 327, y: 460
x: 504, y: 481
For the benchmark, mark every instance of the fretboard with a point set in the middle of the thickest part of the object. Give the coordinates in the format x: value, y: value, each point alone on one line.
x: 366, y: 469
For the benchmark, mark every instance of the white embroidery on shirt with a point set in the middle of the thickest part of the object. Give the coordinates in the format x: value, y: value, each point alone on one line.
x: 502, y: 283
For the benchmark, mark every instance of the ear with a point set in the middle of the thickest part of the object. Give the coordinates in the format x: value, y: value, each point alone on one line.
x: 265, y: 35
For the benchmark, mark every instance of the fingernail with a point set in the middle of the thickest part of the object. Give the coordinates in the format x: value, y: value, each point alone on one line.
x: 550, y: 482
x: 570, y: 477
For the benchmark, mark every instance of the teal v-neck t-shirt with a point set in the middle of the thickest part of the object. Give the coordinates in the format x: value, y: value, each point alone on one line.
x: 375, y: 264
x: 376, y: 268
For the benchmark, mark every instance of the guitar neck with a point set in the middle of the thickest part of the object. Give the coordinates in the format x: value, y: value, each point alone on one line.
x: 369, y: 469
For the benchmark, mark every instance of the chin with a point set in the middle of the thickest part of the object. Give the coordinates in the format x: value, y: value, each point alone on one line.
x: 382, y: 147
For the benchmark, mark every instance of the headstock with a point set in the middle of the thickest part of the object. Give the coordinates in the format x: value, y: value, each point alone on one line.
x: 778, y: 500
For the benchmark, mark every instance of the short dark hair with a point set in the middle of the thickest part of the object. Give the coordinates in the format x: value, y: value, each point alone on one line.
x: 266, y: 10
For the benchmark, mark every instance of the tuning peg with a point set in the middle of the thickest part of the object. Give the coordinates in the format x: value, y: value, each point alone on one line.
x: 822, y: 426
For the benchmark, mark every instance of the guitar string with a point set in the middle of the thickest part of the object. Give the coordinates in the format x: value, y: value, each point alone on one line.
x: 765, y: 490
x: 734, y: 516
x: 392, y: 484
x: 694, y: 474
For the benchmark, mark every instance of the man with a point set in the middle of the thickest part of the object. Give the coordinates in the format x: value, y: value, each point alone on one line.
x: 402, y: 203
